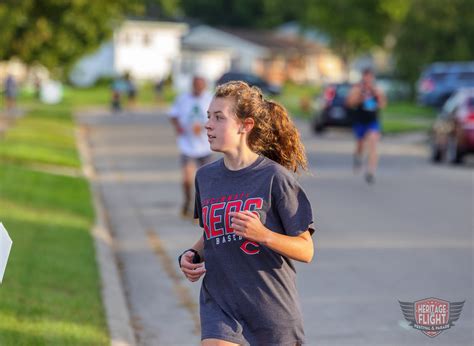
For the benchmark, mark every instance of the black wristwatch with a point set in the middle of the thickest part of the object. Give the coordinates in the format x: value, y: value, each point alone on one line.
x: 196, y: 257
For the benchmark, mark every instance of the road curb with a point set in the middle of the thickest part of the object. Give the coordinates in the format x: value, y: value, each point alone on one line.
x: 112, y: 292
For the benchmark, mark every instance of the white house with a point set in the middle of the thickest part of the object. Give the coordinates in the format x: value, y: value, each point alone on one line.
x: 145, y: 49
x: 152, y: 50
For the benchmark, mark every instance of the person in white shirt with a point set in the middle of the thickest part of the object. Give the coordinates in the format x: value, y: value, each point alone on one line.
x: 188, y: 116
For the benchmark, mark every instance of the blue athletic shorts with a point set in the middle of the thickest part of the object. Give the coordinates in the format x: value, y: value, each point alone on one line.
x: 360, y: 130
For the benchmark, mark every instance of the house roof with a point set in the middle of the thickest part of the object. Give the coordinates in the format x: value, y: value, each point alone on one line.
x: 211, y: 37
x: 154, y: 24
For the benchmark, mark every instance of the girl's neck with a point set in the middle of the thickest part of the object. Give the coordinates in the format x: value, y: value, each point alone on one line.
x: 239, y: 159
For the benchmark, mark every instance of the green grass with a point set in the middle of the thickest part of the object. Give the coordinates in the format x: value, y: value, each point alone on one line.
x: 394, y: 126
x: 405, y: 109
x: 51, y: 290
x: 401, y: 117
x: 46, y: 136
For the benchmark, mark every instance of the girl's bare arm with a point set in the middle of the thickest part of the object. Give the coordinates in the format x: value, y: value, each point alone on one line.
x: 249, y: 226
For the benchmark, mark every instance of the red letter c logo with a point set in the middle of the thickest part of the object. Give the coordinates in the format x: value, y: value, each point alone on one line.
x: 249, y: 251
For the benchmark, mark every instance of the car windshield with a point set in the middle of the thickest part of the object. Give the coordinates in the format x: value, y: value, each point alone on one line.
x: 439, y: 76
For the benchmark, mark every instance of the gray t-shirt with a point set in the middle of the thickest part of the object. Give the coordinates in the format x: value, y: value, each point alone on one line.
x: 248, y: 282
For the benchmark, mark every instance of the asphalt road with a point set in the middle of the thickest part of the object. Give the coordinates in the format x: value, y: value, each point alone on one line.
x: 408, y: 237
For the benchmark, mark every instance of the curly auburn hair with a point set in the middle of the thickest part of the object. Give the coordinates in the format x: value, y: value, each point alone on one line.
x: 274, y: 135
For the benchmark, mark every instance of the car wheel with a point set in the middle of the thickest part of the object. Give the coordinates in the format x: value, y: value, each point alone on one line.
x: 453, y: 154
x: 319, y: 127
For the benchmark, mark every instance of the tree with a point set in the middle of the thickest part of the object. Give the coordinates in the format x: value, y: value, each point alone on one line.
x: 355, y: 26
x: 241, y: 13
x: 434, y: 30
x: 57, y: 32
x: 421, y: 31
x: 162, y: 9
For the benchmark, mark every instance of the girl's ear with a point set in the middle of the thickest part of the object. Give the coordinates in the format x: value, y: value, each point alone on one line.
x: 247, y: 125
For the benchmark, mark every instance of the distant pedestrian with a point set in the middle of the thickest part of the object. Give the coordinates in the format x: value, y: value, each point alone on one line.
x: 256, y: 220
x: 119, y: 88
x: 188, y: 116
x: 365, y: 101
x: 131, y: 90
x: 11, y: 91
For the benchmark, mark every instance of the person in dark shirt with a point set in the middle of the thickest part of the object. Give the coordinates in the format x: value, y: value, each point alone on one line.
x: 365, y: 101
x: 131, y: 90
x: 256, y: 220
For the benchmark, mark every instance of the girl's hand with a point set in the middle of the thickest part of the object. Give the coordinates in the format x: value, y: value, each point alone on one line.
x: 192, y: 271
x: 248, y: 225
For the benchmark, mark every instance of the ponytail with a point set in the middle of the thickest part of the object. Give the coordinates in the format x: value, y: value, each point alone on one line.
x: 274, y: 135
x: 284, y: 145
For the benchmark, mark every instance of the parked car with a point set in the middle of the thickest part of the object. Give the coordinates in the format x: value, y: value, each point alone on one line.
x: 440, y: 80
x: 330, y: 109
x: 252, y: 80
x: 453, y: 131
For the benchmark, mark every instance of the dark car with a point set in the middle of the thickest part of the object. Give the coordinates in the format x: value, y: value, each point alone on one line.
x: 453, y: 131
x: 330, y: 107
x: 440, y: 80
x: 250, y: 79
